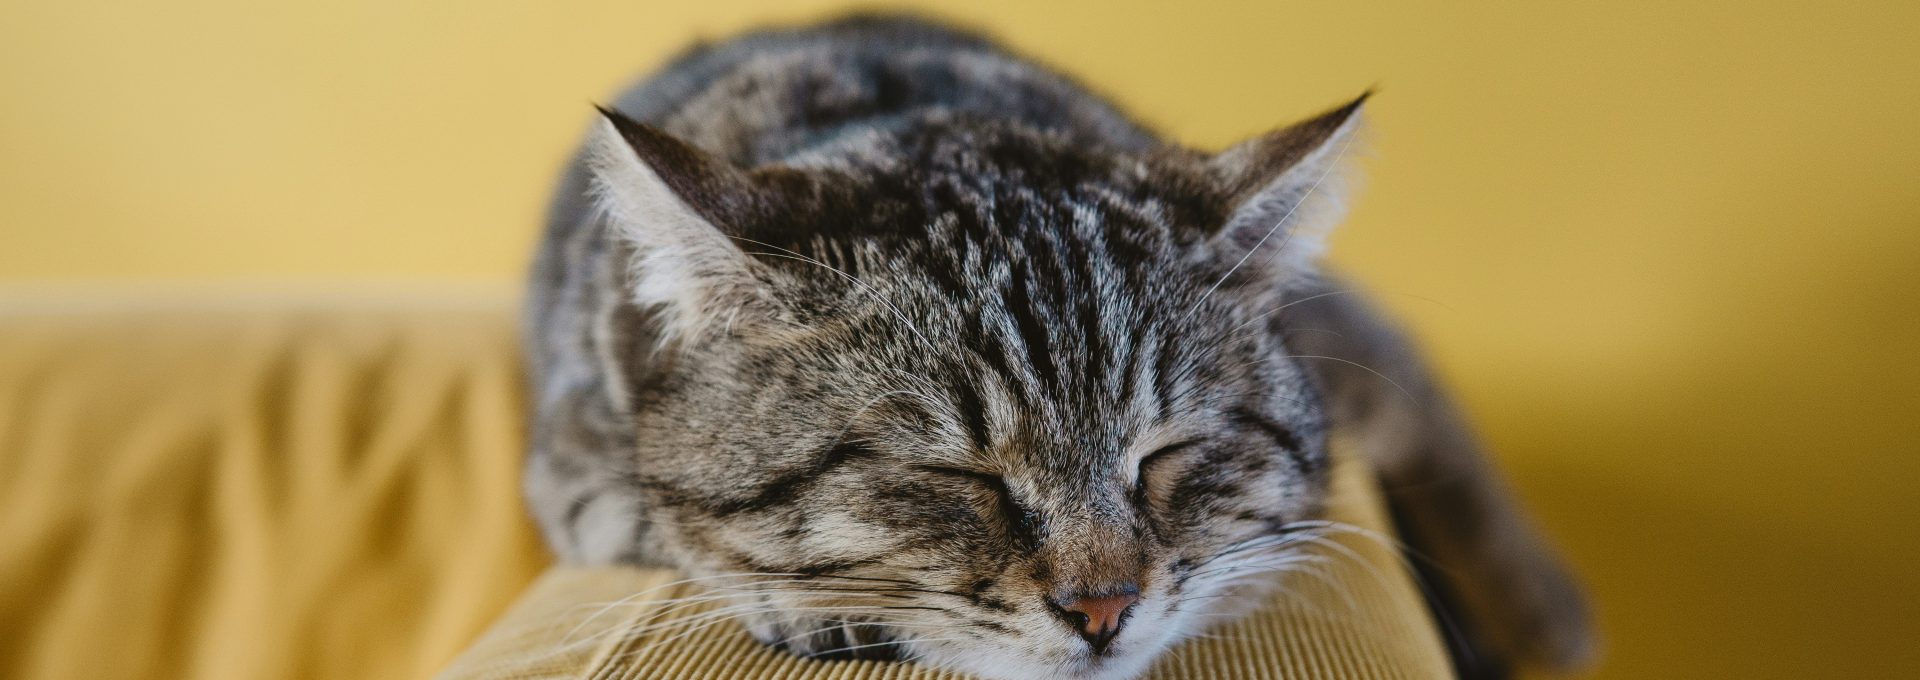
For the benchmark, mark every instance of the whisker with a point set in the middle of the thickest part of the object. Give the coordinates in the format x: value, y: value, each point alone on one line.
x: 1364, y: 367
x: 707, y: 620
x: 674, y: 605
x: 902, y: 316
x: 1276, y: 226
x: 1283, y: 306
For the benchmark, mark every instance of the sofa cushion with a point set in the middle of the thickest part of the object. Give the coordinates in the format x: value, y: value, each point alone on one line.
x: 256, y: 484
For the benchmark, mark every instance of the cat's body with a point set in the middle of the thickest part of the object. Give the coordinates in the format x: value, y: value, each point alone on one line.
x: 879, y: 303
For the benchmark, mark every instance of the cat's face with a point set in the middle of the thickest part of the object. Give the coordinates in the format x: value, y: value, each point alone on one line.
x: 992, y: 478
x: 1019, y: 427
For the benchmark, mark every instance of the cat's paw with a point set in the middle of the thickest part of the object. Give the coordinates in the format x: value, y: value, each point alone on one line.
x: 827, y: 639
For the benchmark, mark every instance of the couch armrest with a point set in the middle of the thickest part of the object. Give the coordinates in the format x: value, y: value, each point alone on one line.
x: 256, y: 482
x: 1361, y: 617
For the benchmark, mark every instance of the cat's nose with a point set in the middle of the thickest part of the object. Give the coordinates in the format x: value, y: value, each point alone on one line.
x: 1098, y: 616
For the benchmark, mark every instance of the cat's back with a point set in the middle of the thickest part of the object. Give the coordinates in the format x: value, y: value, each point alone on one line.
x: 770, y: 95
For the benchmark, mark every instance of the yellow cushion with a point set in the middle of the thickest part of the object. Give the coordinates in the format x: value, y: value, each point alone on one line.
x: 256, y: 486
x: 268, y: 485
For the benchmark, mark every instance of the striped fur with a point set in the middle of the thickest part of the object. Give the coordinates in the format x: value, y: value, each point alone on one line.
x: 880, y: 305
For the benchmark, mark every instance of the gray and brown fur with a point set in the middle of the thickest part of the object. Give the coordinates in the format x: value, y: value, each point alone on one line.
x: 882, y: 306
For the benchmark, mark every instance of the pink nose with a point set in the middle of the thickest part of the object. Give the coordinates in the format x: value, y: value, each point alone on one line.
x: 1098, y: 619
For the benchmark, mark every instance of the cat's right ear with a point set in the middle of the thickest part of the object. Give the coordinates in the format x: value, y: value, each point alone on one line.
x: 679, y: 208
x: 1287, y: 189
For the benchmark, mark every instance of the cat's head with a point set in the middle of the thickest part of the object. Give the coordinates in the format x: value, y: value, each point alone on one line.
x: 1002, y: 400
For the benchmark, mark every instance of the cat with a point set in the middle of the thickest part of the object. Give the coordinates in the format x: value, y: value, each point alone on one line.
x: 878, y: 308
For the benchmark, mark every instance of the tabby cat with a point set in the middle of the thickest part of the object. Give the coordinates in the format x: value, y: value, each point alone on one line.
x: 877, y: 307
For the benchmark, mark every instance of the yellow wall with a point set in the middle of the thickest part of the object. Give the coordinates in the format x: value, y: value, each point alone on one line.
x: 1668, y: 253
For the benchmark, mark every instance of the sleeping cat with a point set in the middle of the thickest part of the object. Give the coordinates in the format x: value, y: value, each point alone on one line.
x: 929, y: 352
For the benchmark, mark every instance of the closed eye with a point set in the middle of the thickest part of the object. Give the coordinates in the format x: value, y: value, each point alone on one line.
x: 1283, y: 437
x: 1022, y: 523
x: 983, y: 478
x: 1158, y: 456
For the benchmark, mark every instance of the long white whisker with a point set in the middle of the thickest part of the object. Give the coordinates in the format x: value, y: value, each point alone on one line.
x: 855, y: 281
x: 676, y: 604
x: 1364, y: 367
x: 1344, y: 143
x: 1283, y: 306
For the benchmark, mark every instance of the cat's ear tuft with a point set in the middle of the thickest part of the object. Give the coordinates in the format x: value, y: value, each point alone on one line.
x: 1287, y: 188
x: 678, y: 208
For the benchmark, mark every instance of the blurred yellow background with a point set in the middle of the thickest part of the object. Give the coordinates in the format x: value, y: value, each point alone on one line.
x: 1669, y: 253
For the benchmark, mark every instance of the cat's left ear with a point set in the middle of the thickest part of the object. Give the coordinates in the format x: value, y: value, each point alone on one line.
x: 1287, y: 188
x: 681, y: 211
